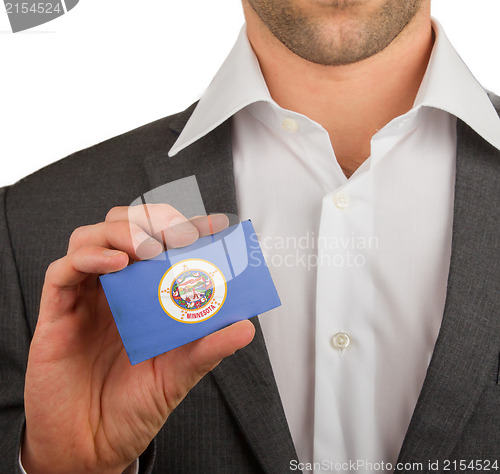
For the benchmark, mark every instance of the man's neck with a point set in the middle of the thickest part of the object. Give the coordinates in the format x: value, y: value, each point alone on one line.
x: 351, y: 102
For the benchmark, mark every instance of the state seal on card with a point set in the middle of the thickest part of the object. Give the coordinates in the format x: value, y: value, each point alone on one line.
x: 192, y: 291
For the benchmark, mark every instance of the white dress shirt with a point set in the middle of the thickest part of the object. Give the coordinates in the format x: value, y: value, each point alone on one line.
x: 360, y: 264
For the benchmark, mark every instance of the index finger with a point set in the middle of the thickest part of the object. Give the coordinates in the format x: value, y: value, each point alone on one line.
x: 167, y: 224
x: 162, y: 221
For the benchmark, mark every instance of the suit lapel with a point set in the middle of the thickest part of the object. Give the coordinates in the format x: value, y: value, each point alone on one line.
x: 248, y: 385
x: 246, y: 379
x: 209, y: 159
x: 466, y: 347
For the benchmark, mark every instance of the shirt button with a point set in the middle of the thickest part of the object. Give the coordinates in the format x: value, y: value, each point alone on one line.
x: 340, y: 341
x: 289, y: 125
x: 341, y: 200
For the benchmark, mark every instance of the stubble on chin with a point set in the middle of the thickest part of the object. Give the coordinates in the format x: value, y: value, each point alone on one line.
x: 346, y: 33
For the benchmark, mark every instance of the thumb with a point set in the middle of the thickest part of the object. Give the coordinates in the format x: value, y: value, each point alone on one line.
x: 182, y: 368
x: 210, y: 350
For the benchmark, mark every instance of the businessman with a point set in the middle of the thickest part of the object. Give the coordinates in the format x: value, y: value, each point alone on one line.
x: 351, y: 125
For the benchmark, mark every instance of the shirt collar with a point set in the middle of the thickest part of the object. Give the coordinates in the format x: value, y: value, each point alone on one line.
x: 238, y: 83
x: 450, y: 86
x: 447, y: 85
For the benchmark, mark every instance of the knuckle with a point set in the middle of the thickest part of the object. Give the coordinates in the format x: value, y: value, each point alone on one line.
x: 161, y: 208
x: 76, y: 236
x: 52, y: 270
x: 137, y: 213
x: 113, y: 212
x: 81, y: 236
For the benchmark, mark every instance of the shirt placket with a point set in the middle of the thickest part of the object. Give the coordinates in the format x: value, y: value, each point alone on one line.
x: 343, y: 310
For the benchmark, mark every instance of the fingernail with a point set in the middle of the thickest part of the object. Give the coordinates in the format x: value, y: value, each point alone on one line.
x: 111, y: 253
x: 142, y: 237
x: 219, y: 222
x: 180, y: 225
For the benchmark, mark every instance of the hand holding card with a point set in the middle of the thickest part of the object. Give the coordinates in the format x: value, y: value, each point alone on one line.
x: 85, y: 404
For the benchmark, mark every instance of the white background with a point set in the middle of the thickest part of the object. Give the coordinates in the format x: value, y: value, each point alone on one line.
x: 109, y: 66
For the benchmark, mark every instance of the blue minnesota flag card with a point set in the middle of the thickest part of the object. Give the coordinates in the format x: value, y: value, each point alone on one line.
x: 185, y: 294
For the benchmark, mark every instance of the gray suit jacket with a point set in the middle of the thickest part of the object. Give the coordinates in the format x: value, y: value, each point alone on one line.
x: 233, y: 420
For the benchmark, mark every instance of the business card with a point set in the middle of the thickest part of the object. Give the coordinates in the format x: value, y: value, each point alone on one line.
x: 185, y: 294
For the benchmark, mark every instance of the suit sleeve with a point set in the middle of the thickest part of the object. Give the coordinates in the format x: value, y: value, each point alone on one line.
x: 15, y: 338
